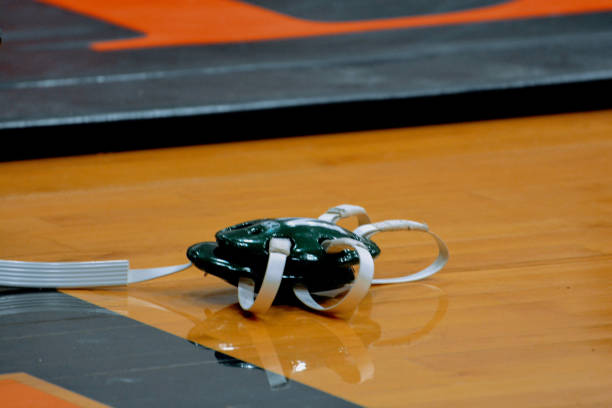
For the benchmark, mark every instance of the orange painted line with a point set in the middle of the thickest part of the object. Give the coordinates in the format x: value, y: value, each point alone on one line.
x: 183, y: 22
x: 18, y: 395
x: 19, y: 390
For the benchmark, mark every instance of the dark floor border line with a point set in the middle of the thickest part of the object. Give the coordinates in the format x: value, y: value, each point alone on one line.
x: 66, y: 140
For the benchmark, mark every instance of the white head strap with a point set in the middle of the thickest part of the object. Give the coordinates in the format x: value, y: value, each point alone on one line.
x: 335, y: 214
x: 359, y: 287
x: 368, y: 230
x: 279, y: 250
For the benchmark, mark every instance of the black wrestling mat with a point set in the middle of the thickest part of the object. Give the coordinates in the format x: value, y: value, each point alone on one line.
x: 74, y: 62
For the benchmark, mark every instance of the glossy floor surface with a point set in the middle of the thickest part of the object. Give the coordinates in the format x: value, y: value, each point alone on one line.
x: 520, y: 316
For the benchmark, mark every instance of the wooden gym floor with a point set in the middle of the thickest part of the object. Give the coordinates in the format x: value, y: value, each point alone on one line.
x: 521, y: 315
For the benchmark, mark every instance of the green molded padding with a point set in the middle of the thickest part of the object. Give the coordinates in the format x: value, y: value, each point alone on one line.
x: 241, y: 250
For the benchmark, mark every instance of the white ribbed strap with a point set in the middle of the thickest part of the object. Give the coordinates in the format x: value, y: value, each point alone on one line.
x: 360, y: 285
x: 77, y: 274
x: 140, y: 275
x: 399, y: 225
x: 279, y: 249
x: 346, y: 210
x: 63, y: 274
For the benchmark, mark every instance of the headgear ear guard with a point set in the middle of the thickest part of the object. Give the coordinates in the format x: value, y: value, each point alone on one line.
x: 266, y: 259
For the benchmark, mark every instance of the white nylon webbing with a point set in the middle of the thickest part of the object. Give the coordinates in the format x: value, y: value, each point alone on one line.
x: 77, y: 274
x: 399, y: 225
x: 360, y: 285
x: 279, y: 249
x: 141, y: 275
x: 346, y: 210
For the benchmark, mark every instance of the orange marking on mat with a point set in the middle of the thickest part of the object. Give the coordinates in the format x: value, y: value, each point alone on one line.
x: 184, y: 22
x: 17, y: 395
x: 22, y: 390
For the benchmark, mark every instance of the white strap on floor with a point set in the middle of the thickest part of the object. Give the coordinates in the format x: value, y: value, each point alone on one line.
x: 77, y: 274
x: 279, y: 249
x: 360, y: 285
x: 141, y: 275
x: 346, y: 210
x: 368, y: 230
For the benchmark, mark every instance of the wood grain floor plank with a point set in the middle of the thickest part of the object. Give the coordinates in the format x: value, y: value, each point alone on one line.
x: 521, y: 316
